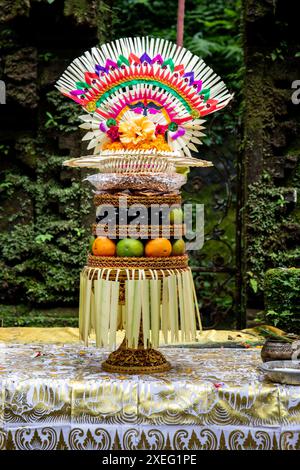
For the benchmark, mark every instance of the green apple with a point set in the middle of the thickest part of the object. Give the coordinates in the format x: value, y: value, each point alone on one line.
x: 130, y: 247
x: 178, y: 247
x: 92, y: 239
x: 176, y: 216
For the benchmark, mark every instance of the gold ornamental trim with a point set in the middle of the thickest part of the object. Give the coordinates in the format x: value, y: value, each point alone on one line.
x: 118, y: 369
x: 138, y: 360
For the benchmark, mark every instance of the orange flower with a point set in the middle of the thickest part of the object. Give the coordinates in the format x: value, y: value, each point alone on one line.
x: 159, y: 144
x: 137, y: 130
x: 112, y: 146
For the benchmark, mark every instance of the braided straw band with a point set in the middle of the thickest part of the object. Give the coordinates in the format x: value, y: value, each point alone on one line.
x: 123, y: 274
x: 114, y: 200
x: 171, y: 262
x: 142, y: 230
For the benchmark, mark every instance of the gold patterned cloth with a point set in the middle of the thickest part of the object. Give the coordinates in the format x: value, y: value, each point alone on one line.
x: 71, y: 335
x: 57, y: 397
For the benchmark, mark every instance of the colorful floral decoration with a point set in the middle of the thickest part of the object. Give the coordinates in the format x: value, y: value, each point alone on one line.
x: 143, y: 93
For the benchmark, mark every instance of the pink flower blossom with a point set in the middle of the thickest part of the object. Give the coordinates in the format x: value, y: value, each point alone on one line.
x: 218, y: 385
x: 113, y: 133
x: 160, y: 129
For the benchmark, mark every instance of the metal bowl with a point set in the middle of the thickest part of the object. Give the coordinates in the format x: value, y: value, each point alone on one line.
x: 284, y: 372
x: 274, y: 350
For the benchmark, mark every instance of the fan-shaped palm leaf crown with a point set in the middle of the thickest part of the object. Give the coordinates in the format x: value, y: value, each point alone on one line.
x: 143, y: 94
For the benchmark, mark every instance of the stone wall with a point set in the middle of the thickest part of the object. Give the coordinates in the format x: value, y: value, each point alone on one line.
x: 45, y: 210
x: 269, y: 164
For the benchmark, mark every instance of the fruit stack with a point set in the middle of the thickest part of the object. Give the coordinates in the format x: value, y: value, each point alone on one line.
x: 138, y: 247
x: 144, y: 101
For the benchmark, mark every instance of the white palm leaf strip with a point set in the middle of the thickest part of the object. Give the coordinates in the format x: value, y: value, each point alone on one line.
x: 181, y: 305
x: 114, y: 308
x: 129, y: 308
x: 90, y: 135
x: 173, y: 307
x: 105, y: 308
x: 137, y: 308
x: 146, y: 310
x: 86, y: 307
x: 165, y: 308
x: 193, y: 312
x: 155, y: 289
x: 92, y: 119
x: 95, y: 275
x: 185, y: 309
x: 93, y: 310
x: 182, y: 144
x: 191, y: 146
x: 190, y: 310
x: 195, y: 300
x: 125, y: 321
x: 188, y: 306
x: 81, y: 301
x: 176, y: 306
x: 98, y: 284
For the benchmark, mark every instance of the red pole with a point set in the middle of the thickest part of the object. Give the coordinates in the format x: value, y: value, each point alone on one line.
x: 180, y: 22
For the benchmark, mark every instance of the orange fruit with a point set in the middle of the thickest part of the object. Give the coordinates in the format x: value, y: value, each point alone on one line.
x: 159, y: 247
x: 103, y: 246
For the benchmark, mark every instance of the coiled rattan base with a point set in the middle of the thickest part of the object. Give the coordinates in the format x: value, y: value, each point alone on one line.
x: 136, y: 361
x: 170, y: 262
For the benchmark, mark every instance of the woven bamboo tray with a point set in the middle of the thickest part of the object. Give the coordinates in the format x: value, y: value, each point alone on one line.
x: 170, y: 262
x: 143, y: 230
x: 115, y: 199
x: 136, y: 164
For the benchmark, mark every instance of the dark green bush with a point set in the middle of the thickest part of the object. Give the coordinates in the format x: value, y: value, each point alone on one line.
x: 282, y: 298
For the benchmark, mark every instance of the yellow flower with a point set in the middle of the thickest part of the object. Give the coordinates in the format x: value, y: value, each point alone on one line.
x: 137, y: 130
x: 91, y: 106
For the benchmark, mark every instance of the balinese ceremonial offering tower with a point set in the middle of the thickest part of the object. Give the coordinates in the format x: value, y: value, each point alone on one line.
x: 144, y: 101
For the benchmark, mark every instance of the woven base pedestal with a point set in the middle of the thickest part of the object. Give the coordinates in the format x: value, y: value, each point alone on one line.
x: 136, y: 361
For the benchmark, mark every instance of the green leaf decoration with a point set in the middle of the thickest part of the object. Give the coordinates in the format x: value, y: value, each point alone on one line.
x: 82, y: 85
x: 122, y: 60
x: 206, y: 93
x: 170, y: 63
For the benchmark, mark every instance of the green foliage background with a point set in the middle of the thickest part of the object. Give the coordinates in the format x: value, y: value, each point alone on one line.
x: 46, y: 211
x: 282, y: 298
